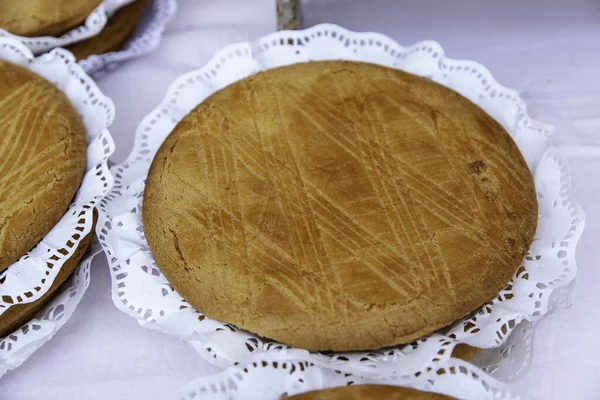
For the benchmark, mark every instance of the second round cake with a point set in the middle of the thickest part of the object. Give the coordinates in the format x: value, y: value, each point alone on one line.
x: 42, y: 159
x: 369, y: 392
x: 338, y: 206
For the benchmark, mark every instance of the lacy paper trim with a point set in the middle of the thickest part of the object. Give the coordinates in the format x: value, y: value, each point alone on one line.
x: 20, y: 345
x: 145, y: 39
x: 266, y: 377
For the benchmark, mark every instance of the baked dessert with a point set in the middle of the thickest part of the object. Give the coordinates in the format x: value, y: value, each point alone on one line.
x: 117, y: 31
x: 369, y: 392
x: 338, y: 206
x: 42, y: 153
x: 33, y: 18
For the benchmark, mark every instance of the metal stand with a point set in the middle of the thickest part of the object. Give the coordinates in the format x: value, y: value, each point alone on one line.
x: 288, y: 15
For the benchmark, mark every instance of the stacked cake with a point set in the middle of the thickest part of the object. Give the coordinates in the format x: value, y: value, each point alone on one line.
x: 64, y: 18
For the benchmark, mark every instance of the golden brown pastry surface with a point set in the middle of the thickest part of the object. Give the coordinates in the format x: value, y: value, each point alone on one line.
x: 42, y: 159
x: 34, y: 18
x: 369, y: 392
x: 338, y: 206
x: 117, y: 31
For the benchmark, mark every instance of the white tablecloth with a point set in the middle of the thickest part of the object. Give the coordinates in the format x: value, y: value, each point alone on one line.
x: 547, y: 49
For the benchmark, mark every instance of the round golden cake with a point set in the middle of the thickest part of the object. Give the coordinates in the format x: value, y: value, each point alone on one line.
x: 34, y: 18
x: 118, y: 29
x: 338, y: 206
x: 42, y: 159
x: 369, y: 392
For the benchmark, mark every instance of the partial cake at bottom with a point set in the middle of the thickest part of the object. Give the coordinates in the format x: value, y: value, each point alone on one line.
x: 369, y: 392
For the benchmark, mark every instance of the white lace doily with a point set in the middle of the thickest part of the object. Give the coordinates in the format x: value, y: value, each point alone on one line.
x: 17, y: 347
x: 266, y: 377
x: 146, y: 38
x: 140, y: 289
x: 31, y: 276
x: 93, y: 24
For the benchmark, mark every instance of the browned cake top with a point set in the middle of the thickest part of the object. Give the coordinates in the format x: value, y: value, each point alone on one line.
x: 42, y: 159
x: 338, y: 206
x: 44, y: 17
x: 369, y: 392
x: 118, y: 29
